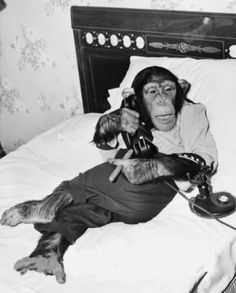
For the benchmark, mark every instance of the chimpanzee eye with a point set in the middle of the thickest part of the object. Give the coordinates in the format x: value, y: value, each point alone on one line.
x: 152, y: 91
x: 168, y: 88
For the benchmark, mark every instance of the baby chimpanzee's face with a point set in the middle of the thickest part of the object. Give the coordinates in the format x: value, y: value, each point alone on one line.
x: 159, y: 98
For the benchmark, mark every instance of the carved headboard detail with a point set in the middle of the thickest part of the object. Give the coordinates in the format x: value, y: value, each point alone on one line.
x: 105, y: 38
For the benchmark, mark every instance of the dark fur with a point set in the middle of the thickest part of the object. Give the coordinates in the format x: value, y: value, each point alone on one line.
x: 141, y: 171
x: 42, y: 211
x: 51, y: 242
x: 48, y: 254
x: 109, y: 125
x: 143, y: 77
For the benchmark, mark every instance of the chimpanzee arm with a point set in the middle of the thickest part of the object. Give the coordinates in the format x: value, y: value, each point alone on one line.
x: 111, y: 124
x: 177, y: 166
x: 107, y: 127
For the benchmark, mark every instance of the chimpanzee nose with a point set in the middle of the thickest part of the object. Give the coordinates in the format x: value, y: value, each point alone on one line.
x: 160, y: 99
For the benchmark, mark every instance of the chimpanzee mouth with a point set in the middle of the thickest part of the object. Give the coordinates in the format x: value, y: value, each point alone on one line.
x: 164, y: 116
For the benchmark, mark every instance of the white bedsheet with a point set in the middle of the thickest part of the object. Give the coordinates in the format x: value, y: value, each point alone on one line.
x: 168, y: 254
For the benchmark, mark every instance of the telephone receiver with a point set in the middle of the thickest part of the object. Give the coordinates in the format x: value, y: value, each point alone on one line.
x: 141, y: 142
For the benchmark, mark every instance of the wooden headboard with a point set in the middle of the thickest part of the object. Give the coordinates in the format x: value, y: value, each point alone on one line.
x: 105, y: 38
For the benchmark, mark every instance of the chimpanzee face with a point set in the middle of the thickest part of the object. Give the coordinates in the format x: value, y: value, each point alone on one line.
x: 159, y: 98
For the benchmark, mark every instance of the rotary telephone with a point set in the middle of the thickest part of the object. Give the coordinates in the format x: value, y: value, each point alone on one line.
x: 141, y: 142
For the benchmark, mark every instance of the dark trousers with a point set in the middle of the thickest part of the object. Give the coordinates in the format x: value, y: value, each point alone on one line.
x: 97, y: 202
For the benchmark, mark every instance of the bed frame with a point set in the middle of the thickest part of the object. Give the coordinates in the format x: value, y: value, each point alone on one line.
x: 105, y: 38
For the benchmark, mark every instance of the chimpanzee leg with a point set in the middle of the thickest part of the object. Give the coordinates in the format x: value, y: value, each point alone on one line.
x: 96, y: 202
x: 73, y: 221
x: 47, y: 257
x: 38, y: 211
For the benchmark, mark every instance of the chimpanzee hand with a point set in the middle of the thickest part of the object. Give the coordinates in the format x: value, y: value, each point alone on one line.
x: 139, y: 171
x: 178, y: 166
x: 129, y: 120
x: 110, y: 125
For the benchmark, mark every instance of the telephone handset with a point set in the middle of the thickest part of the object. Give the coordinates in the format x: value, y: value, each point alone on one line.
x: 141, y: 142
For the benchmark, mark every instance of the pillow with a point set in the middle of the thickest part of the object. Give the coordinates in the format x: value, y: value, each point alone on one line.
x: 205, y: 75
x: 212, y: 84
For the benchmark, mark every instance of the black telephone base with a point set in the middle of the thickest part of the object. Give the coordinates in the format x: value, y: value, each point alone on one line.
x: 220, y: 204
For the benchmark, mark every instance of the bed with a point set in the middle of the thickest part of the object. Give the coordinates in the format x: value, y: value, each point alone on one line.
x: 177, y: 251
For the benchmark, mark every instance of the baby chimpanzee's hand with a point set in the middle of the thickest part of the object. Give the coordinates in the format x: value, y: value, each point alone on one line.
x: 178, y: 166
x: 110, y: 125
x: 139, y: 171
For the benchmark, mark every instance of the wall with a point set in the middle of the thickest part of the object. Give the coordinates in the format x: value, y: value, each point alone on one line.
x: 39, y: 84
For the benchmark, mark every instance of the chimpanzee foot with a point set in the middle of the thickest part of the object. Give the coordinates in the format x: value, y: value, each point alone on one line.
x: 11, y: 217
x: 49, y: 265
x: 26, y: 212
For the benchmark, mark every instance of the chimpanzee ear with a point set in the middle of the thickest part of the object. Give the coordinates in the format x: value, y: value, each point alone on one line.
x: 185, y: 85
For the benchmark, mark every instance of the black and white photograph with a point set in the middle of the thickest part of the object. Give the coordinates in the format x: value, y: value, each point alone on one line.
x: 117, y: 146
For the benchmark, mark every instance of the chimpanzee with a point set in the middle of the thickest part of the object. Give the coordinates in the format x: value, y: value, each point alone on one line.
x: 180, y: 131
